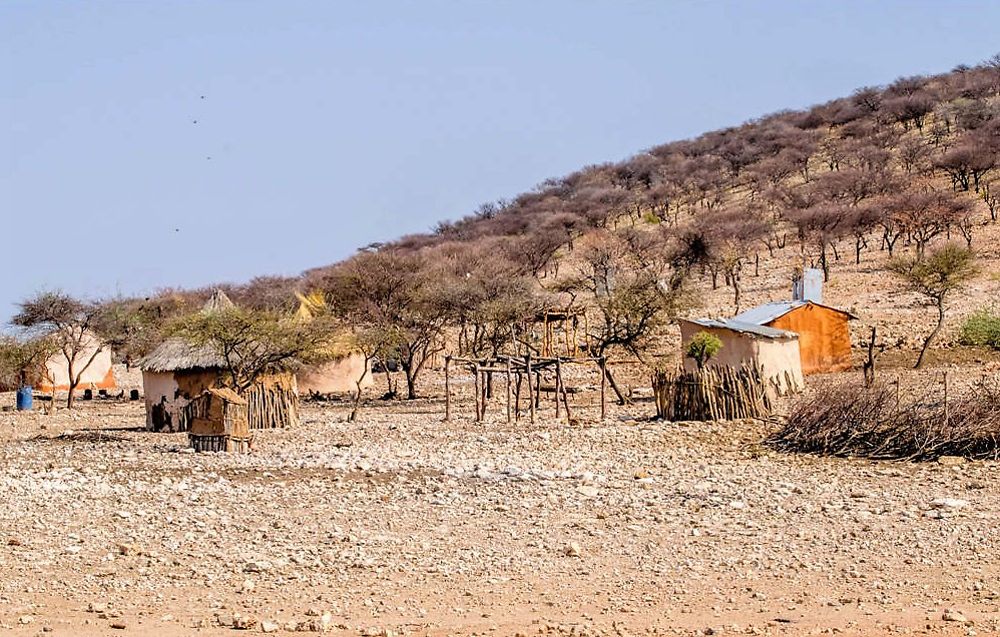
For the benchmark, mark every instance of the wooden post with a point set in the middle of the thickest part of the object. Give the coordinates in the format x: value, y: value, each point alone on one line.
x: 945, y: 397
x: 545, y: 333
x: 475, y: 390
x: 484, y: 389
x: 517, y: 398
x: 558, y: 380
x: 565, y: 397
x: 538, y: 389
x: 603, y: 363
x: 508, y: 389
x: 531, y: 397
x: 447, y: 388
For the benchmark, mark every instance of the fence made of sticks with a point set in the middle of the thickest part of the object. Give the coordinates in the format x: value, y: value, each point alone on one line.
x: 713, y: 393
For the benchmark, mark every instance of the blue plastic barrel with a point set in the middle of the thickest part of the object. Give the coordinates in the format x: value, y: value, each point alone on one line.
x: 24, y: 399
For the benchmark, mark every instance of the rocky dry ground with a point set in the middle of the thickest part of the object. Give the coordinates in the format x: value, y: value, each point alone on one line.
x: 401, y: 524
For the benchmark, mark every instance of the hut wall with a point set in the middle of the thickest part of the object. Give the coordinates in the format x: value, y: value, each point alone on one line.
x: 737, y: 348
x: 273, y: 402
x: 98, y: 375
x: 780, y: 361
x: 168, y: 393
x: 335, y: 377
x: 824, y: 337
x: 776, y: 357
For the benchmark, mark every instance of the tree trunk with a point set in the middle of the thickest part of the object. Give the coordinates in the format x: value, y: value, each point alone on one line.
x: 411, y: 385
x: 73, y: 381
x: 357, y: 403
x: 932, y: 335
x: 614, y: 385
x: 390, y: 387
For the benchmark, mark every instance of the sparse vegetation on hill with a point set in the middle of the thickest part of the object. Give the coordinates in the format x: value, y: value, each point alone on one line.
x: 886, y: 172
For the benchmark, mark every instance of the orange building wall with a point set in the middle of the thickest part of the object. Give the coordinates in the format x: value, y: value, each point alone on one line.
x: 824, y: 338
x: 108, y: 382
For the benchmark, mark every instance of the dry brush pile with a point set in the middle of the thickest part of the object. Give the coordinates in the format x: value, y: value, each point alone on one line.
x: 851, y: 420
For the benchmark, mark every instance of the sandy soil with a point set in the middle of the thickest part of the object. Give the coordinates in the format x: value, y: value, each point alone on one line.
x: 403, y: 524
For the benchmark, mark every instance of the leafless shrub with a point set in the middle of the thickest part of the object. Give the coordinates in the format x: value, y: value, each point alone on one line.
x: 851, y: 420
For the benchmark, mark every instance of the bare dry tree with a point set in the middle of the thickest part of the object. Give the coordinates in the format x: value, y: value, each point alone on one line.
x: 68, y: 323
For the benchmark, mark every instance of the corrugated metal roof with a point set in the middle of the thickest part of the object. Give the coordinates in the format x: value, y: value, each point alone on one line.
x: 744, y: 328
x: 764, y: 314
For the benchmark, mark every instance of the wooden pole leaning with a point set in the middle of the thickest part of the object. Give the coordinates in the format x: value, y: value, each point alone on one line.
x: 475, y: 390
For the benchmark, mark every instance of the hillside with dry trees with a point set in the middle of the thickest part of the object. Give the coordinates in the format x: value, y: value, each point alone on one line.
x: 710, y: 225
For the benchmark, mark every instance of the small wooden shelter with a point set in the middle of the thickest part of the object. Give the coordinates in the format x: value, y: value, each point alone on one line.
x: 773, y: 351
x: 219, y: 422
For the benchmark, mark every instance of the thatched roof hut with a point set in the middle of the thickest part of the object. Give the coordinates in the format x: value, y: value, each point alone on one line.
x: 175, y: 354
x: 178, y: 371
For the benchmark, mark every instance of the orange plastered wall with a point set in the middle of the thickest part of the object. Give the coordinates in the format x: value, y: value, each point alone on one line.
x: 824, y: 337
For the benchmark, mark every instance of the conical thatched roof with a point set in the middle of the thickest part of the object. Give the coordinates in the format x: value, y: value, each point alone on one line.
x: 175, y: 354
x: 309, y: 305
x: 218, y: 303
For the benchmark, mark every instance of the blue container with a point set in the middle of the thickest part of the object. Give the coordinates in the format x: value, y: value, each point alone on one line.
x: 24, y: 399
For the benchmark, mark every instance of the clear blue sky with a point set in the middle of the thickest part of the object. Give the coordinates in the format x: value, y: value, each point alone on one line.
x: 330, y: 125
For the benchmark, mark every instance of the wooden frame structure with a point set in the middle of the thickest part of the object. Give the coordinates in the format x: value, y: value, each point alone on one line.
x: 567, y: 320
x: 516, y: 371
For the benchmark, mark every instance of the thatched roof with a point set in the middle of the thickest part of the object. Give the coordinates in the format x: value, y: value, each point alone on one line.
x: 219, y: 302
x: 175, y: 354
x: 309, y: 305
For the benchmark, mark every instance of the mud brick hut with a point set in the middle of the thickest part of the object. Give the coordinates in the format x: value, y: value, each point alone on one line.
x: 824, y: 331
x: 775, y: 351
x: 177, y: 372
x: 338, y: 375
x: 219, y: 422
x: 99, y: 373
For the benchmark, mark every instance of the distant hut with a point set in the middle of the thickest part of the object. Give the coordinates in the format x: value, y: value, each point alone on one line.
x: 177, y: 372
x: 824, y: 331
x: 775, y: 351
x: 98, y: 375
x: 336, y: 376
